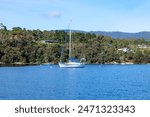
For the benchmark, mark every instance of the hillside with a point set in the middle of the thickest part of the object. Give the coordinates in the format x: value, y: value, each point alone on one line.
x: 123, y: 35
x: 119, y: 35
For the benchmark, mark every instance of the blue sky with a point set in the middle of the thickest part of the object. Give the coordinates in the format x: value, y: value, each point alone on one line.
x: 88, y: 15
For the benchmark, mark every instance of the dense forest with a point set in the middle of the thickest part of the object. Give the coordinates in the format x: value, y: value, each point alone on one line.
x: 22, y: 46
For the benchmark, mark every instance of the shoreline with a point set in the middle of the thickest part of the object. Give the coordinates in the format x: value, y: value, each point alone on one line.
x: 24, y: 64
x: 45, y: 64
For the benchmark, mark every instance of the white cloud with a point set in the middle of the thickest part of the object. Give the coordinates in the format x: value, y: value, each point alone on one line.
x: 54, y: 14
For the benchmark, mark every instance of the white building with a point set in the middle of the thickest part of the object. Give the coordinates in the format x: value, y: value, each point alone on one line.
x: 124, y: 49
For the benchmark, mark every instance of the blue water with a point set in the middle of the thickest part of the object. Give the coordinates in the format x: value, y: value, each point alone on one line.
x: 96, y: 82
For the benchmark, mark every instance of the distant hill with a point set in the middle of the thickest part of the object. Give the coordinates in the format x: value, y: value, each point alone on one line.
x: 122, y: 35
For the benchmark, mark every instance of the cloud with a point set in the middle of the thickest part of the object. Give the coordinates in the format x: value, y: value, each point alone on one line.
x: 54, y: 14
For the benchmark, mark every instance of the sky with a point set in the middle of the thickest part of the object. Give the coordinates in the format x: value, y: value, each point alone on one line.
x: 87, y: 15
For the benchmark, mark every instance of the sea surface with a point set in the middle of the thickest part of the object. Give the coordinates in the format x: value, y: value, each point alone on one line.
x: 94, y: 82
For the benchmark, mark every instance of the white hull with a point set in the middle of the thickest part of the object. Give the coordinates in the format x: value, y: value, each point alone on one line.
x: 71, y: 65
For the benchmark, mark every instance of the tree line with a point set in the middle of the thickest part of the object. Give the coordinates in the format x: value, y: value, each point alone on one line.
x: 22, y: 46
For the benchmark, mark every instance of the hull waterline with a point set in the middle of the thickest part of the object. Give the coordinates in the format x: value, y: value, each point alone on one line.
x: 67, y: 65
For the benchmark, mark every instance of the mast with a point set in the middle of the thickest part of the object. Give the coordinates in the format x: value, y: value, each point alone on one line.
x: 70, y: 50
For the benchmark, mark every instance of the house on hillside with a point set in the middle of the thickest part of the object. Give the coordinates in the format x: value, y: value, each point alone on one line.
x: 124, y: 49
x: 143, y: 46
x: 49, y: 41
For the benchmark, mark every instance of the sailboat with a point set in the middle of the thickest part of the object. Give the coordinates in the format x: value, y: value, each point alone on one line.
x: 72, y: 62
